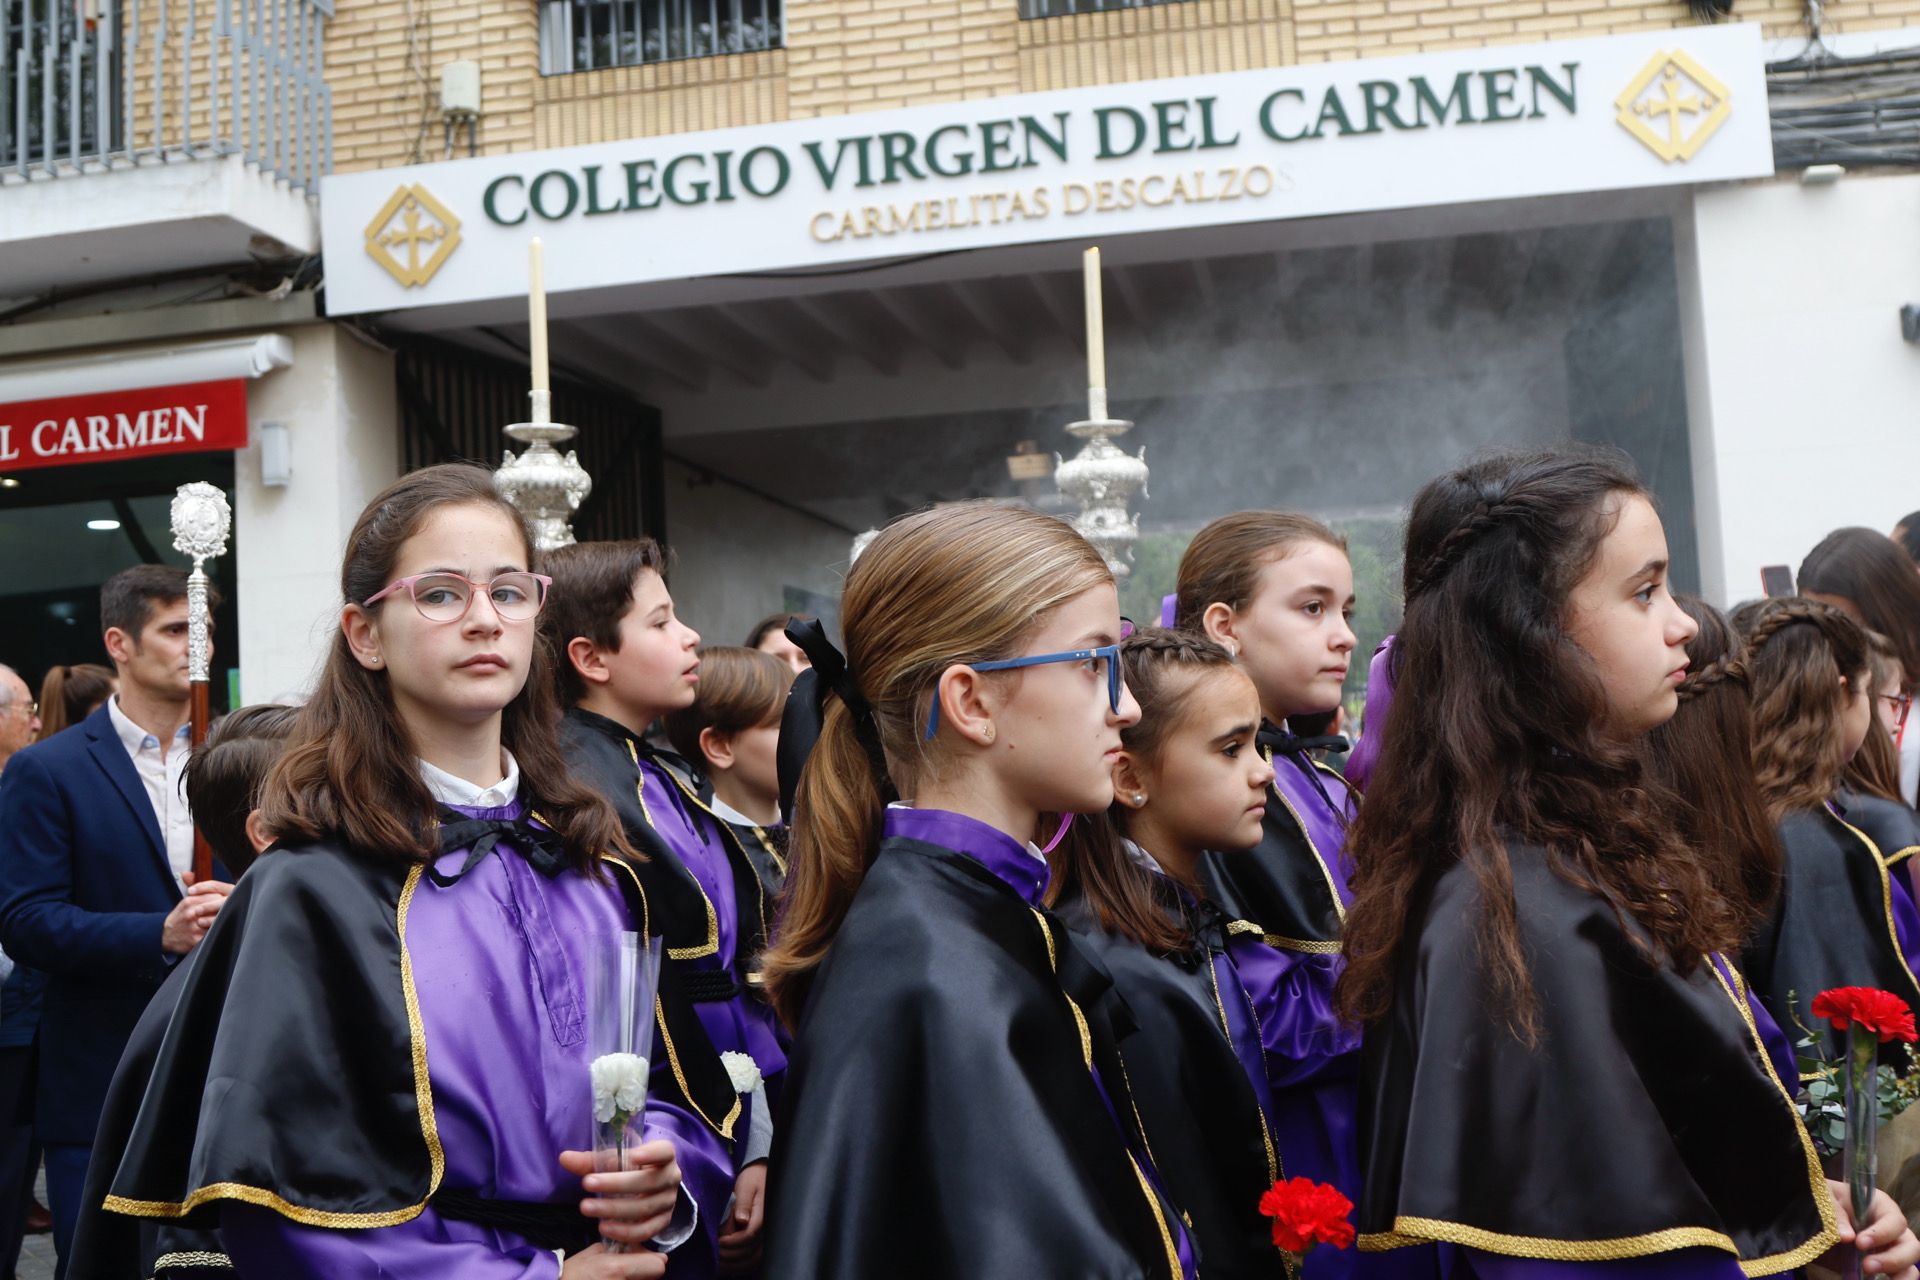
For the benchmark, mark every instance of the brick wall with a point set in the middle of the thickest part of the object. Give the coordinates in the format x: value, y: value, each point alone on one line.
x: 869, y: 55
x: 383, y: 60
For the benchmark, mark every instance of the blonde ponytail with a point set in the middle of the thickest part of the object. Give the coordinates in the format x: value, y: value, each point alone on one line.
x: 970, y: 582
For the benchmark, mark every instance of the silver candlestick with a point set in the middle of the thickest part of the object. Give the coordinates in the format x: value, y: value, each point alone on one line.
x: 201, y: 520
x: 543, y: 486
x: 1102, y: 478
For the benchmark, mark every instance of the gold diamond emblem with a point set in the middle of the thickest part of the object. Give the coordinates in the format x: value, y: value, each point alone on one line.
x: 1673, y: 106
x: 412, y: 235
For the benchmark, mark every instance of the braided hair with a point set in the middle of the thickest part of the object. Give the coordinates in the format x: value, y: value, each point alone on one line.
x: 1161, y: 666
x: 1800, y: 652
x: 1499, y: 734
x: 1704, y: 755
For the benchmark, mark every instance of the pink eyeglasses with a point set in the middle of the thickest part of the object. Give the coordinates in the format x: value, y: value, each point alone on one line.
x: 446, y: 597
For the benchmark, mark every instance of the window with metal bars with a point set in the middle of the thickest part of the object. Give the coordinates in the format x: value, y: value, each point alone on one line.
x: 59, y: 81
x: 586, y: 35
x: 1065, y: 8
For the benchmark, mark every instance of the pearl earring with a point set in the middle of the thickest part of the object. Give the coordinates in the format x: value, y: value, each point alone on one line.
x: 1138, y: 798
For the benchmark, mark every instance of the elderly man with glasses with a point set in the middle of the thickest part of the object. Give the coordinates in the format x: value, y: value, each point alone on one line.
x: 19, y: 714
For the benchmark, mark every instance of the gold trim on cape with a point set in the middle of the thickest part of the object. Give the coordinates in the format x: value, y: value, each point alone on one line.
x: 1886, y: 890
x: 1086, y: 1054
x: 423, y: 1101
x: 725, y: 1128
x: 188, y: 1258
x: 1274, y: 1170
x: 660, y: 1015
x: 1413, y: 1231
x: 1333, y: 886
x: 712, y: 944
x: 728, y: 833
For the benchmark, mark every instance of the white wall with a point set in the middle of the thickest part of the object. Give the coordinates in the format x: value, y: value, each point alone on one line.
x: 734, y: 553
x: 339, y: 404
x: 1804, y: 400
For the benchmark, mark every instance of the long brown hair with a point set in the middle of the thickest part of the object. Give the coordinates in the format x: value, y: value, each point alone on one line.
x: 1223, y: 562
x: 1161, y: 667
x: 1704, y: 755
x: 963, y: 583
x: 1875, y: 768
x: 69, y: 694
x: 351, y: 773
x: 1798, y: 652
x: 1867, y: 569
x: 1497, y: 734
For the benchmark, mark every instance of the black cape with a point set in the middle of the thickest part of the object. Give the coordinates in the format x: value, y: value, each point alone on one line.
x: 1647, y: 1119
x: 112, y: 1246
x: 939, y: 1119
x: 291, y: 1070
x: 1831, y: 927
x: 1285, y: 885
x: 1893, y: 827
x: 1210, y: 1141
x: 605, y: 755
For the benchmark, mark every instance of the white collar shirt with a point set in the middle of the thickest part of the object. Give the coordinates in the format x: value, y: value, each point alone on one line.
x: 160, y: 772
x: 450, y: 790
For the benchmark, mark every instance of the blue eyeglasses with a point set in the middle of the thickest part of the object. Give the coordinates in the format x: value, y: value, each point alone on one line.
x: 1107, y: 653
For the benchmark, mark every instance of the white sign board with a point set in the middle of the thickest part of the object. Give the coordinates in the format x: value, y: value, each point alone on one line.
x: 1649, y: 109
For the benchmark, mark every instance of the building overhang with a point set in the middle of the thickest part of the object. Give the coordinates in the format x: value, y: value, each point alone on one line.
x: 129, y: 220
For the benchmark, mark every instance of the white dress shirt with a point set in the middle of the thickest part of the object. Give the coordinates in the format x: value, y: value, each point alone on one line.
x: 160, y: 773
x: 448, y: 789
x: 733, y: 817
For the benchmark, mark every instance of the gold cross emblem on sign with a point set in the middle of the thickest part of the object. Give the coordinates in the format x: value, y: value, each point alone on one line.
x: 412, y: 235
x: 1673, y: 106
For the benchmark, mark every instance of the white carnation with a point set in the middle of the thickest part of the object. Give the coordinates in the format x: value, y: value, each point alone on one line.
x: 619, y: 1085
x: 743, y: 1070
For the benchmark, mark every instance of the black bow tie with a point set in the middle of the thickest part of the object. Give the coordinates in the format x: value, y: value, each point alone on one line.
x: 1282, y: 742
x: 543, y: 849
x: 1207, y: 923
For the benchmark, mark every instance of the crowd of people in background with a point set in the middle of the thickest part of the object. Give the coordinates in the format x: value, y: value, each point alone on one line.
x: 1003, y: 937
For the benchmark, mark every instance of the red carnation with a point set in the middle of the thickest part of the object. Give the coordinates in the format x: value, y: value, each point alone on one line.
x: 1881, y: 1012
x: 1306, y: 1213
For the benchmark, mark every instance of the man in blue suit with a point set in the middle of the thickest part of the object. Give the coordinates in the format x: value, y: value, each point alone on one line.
x: 96, y: 882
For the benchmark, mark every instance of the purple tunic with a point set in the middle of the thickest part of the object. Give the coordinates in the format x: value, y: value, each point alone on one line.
x: 1373, y: 721
x: 1308, y: 789
x: 742, y: 1024
x: 499, y: 960
x: 1024, y: 871
x: 1906, y: 920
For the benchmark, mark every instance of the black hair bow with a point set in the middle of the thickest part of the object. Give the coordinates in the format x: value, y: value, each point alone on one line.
x: 806, y: 708
x: 829, y: 665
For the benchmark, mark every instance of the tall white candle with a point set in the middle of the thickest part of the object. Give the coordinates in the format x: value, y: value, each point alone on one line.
x: 1096, y: 338
x: 537, y: 313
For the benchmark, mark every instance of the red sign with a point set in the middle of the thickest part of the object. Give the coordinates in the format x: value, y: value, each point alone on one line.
x: 116, y: 425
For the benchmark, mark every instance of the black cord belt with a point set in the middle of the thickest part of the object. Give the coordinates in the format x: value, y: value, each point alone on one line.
x: 709, y: 986
x: 549, y: 1226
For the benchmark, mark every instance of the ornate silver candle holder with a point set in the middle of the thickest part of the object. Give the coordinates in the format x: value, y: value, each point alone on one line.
x: 543, y: 486
x: 1102, y: 478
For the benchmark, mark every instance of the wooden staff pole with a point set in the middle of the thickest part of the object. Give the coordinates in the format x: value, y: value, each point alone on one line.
x: 201, y: 521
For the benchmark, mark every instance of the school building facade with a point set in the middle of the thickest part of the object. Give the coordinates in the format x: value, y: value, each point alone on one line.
x: 812, y: 263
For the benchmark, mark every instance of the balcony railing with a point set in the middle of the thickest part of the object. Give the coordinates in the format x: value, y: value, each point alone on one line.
x: 585, y: 35
x: 1066, y: 8
x: 93, y: 84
